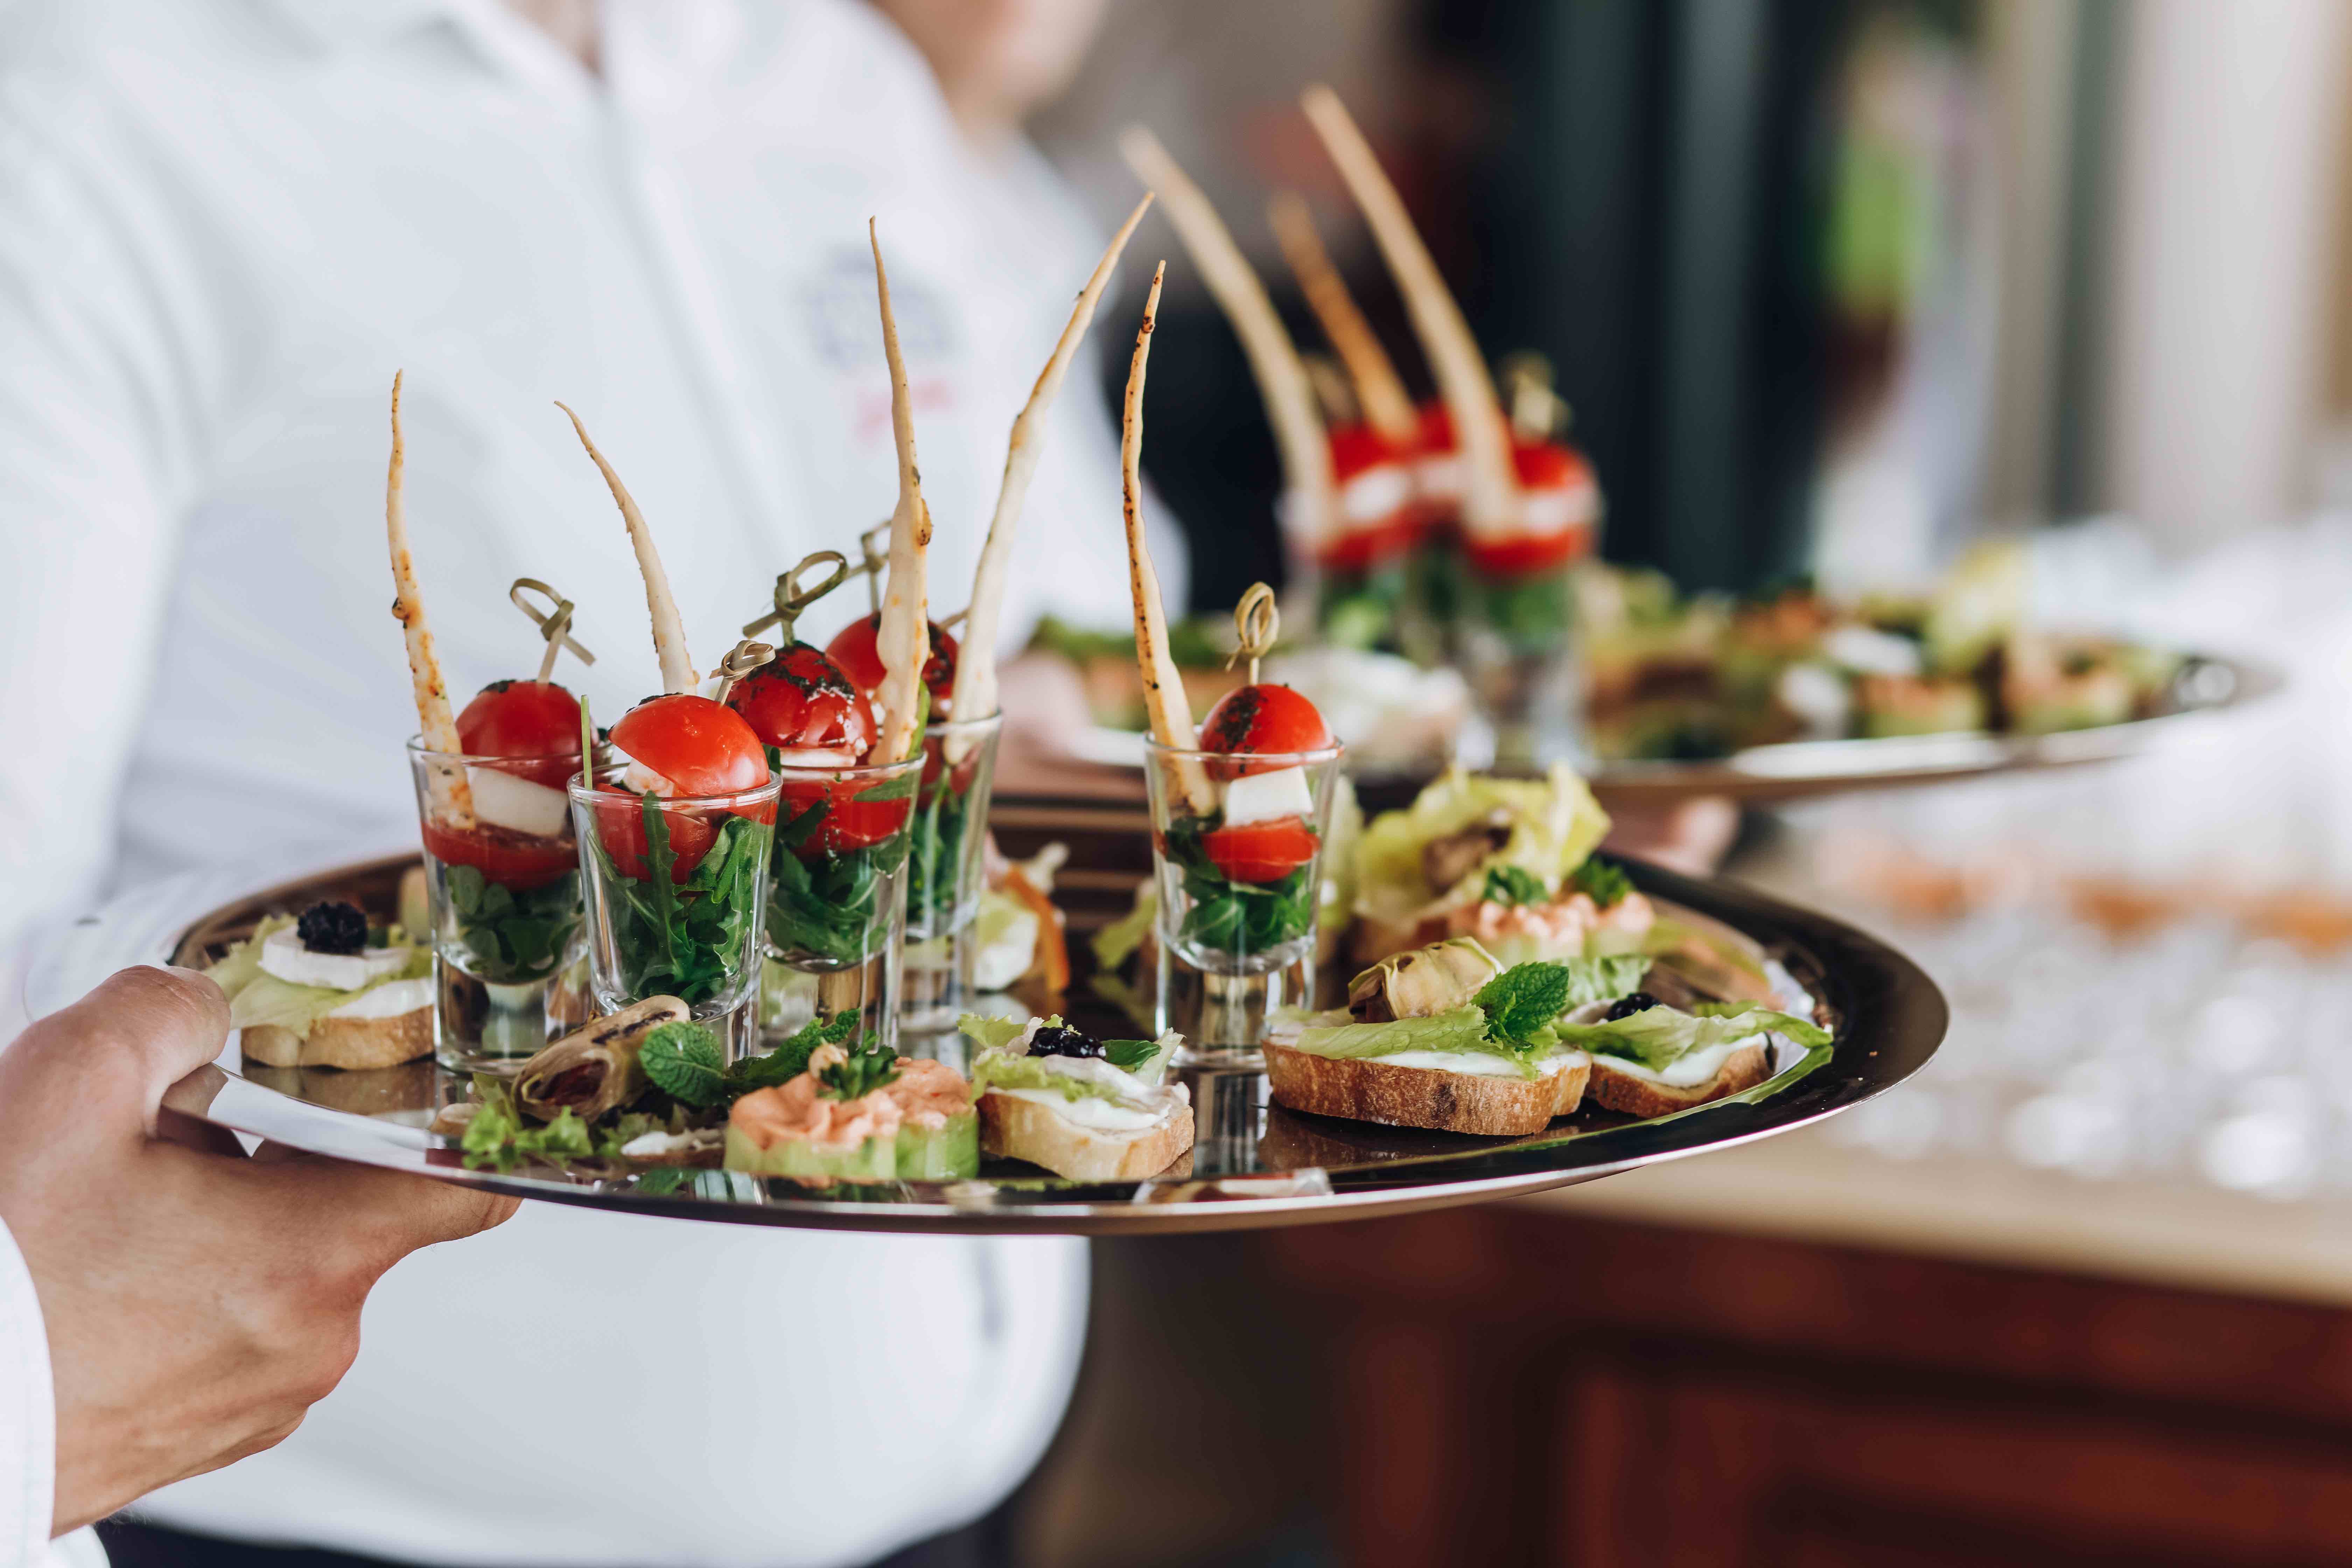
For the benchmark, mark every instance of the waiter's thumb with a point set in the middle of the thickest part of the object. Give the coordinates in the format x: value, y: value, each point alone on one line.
x: 101, y: 1066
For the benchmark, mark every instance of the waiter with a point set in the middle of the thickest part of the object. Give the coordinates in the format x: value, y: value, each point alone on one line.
x: 223, y: 224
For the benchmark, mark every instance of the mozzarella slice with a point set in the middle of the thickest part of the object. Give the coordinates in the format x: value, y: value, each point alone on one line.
x: 388, y: 1000
x: 283, y: 955
x: 1871, y: 651
x: 502, y: 800
x: 816, y: 757
x: 1268, y: 797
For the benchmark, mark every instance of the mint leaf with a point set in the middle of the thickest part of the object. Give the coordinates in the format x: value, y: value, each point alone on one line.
x: 683, y: 1062
x: 1603, y: 882
x: 1514, y: 885
x: 1521, y: 1003
x: 1128, y: 1055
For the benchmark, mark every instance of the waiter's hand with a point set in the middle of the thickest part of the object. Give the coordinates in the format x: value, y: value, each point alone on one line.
x: 197, y: 1303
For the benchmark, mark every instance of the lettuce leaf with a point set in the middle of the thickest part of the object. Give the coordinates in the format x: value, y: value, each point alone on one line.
x: 240, y: 967
x: 989, y: 1034
x: 1002, y: 1069
x: 1117, y: 941
x: 1555, y: 824
x: 1657, y: 1038
x: 1458, y: 1029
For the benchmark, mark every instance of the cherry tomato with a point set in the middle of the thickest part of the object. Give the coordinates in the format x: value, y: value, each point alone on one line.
x: 1260, y: 851
x: 852, y: 649
x: 848, y: 823
x: 1355, y: 448
x: 698, y: 745
x: 1549, y: 466
x: 524, y: 719
x: 508, y: 858
x: 801, y: 701
x: 1362, y: 548
x: 1524, y: 556
x: 1266, y: 720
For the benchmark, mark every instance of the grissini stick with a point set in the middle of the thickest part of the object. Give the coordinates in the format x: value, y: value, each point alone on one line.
x: 1380, y: 391
x: 670, y: 632
x: 975, y: 680
x: 1490, y: 487
x: 1164, y: 701
x: 453, y: 802
x: 1282, y: 380
x: 904, y: 639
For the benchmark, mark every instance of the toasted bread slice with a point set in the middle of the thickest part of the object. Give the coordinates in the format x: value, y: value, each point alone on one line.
x: 349, y: 1043
x: 1620, y: 1090
x: 1365, y: 1089
x: 1020, y: 1129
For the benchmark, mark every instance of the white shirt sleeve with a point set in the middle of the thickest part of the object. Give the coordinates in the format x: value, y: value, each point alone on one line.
x: 91, y: 387
x: 29, y: 1428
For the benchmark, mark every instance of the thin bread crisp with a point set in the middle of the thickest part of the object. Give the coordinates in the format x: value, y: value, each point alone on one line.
x: 452, y: 801
x: 1380, y: 391
x: 677, y: 669
x: 904, y: 638
x: 975, y: 680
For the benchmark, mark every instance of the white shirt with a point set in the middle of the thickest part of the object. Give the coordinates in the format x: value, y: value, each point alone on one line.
x: 28, y: 1430
x: 223, y: 224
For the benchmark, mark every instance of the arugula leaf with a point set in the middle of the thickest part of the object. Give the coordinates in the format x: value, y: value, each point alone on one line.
x: 683, y: 1062
x: 869, y: 1065
x: 664, y: 1181
x: 689, y: 940
x: 1604, y: 881
x: 791, y: 1057
x: 1521, y: 1003
x: 513, y: 937
x: 1238, y: 918
x: 1510, y: 884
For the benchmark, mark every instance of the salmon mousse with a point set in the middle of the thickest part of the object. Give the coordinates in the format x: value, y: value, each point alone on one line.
x: 866, y: 1115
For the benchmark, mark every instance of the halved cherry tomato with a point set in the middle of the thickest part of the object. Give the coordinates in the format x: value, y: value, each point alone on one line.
x: 1264, y: 719
x: 508, y: 858
x: 621, y: 827
x: 848, y: 822
x: 801, y: 701
x: 698, y: 745
x: 1549, y: 466
x: 1260, y: 851
x: 524, y: 719
x: 852, y: 649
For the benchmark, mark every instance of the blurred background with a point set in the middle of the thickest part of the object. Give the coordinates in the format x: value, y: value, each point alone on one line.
x: 1839, y: 286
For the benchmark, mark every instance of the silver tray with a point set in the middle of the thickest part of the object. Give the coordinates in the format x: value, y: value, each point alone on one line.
x: 1254, y: 1164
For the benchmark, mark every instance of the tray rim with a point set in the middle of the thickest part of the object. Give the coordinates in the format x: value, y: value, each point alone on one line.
x: 1891, y: 1019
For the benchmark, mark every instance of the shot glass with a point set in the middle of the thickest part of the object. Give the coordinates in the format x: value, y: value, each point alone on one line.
x: 1236, y: 900
x: 837, y: 897
x: 1521, y: 651
x: 944, y: 870
x: 503, y: 906
x: 677, y: 900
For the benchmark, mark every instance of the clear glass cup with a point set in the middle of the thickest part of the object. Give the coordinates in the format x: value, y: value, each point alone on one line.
x: 1237, y: 903
x: 837, y: 895
x: 1521, y: 650
x: 502, y: 908
x: 695, y: 932
x: 945, y: 874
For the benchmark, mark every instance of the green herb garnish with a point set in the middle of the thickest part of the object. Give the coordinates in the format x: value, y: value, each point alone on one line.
x: 791, y: 1058
x: 827, y: 908
x: 497, y: 1135
x: 1604, y: 881
x: 869, y: 1065
x: 1522, y: 1002
x: 1514, y: 885
x: 1128, y: 1055
x: 684, y: 1062
x: 513, y: 937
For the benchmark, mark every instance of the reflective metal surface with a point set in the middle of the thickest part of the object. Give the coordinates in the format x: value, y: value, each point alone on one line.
x: 1254, y: 1164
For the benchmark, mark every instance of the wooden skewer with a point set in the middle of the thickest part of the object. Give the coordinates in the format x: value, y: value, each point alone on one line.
x: 1273, y: 358
x: 1490, y: 491
x: 975, y: 681
x: 452, y: 801
x: 1379, y: 390
x: 1257, y: 622
x: 904, y: 638
x: 741, y: 659
x: 554, y: 624
x: 1164, y: 700
x: 669, y: 631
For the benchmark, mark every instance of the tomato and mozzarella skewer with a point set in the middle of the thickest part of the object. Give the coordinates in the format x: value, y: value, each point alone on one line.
x: 680, y: 744
x: 1257, y: 731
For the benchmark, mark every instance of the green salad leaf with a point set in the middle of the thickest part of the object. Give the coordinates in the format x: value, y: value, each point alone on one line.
x: 1119, y: 942
x: 1554, y: 823
x: 1657, y: 1038
x: 1521, y: 1003
x: 499, y: 1136
x: 240, y: 967
x: 1126, y: 1056
x: 1514, y: 885
x: 1593, y: 980
x: 1002, y: 1069
x: 684, y: 1062
x: 690, y: 939
x: 1461, y: 1029
x: 827, y: 906
x: 1231, y: 917
x: 266, y: 1000
x: 513, y: 938
x: 995, y: 1034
